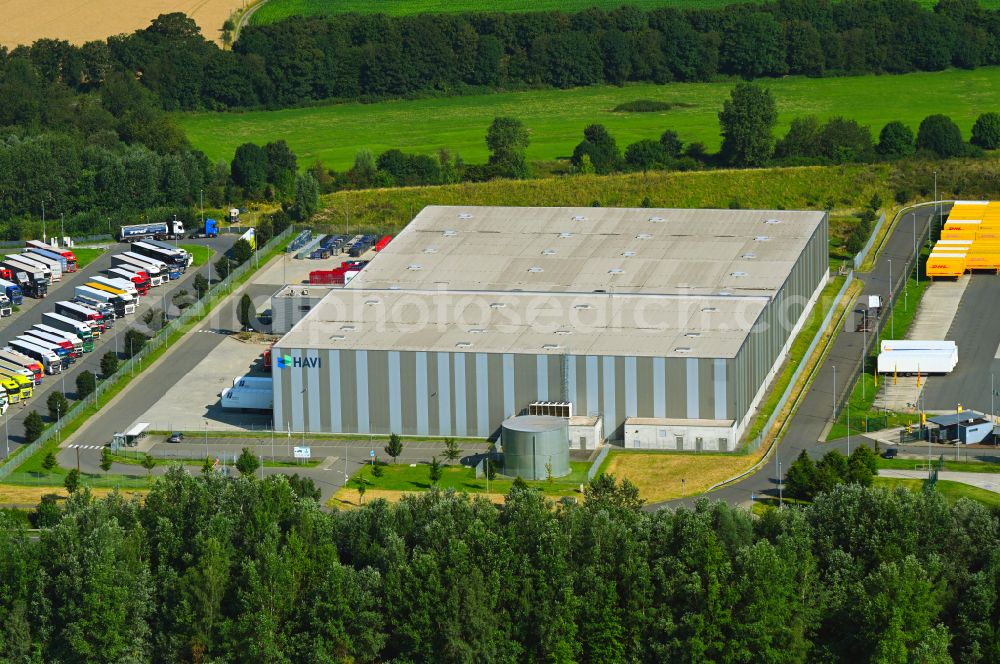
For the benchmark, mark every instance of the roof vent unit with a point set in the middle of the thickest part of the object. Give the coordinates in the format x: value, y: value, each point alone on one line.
x: 582, y: 306
x: 737, y: 274
x: 414, y: 267
x: 430, y: 250
x: 709, y: 310
x: 337, y: 337
x: 449, y: 233
x: 616, y: 270
x: 564, y: 332
x: 348, y: 328
x: 497, y: 305
x: 682, y: 349
x: 761, y: 238
x: 394, y: 287
x: 305, y: 291
x: 657, y: 220
x: 748, y: 257
x: 463, y: 344
x: 692, y: 335
x: 535, y: 269
x: 464, y: 215
x: 723, y: 293
x: 477, y: 330
x: 772, y: 221
x: 628, y: 254
x: 371, y: 303
x: 548, y: 252
x: 643, y: 236
x: 550, y: 346
x: 579, y: 217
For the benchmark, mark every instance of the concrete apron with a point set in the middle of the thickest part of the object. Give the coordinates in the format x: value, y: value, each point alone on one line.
x: 937, y: 311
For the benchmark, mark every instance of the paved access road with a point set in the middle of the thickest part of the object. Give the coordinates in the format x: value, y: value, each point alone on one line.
x: 814, y: 412
x: 113, y: 340
x: 338, y: 459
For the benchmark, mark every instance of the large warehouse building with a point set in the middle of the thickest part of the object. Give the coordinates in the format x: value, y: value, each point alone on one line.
x: 666, y: 325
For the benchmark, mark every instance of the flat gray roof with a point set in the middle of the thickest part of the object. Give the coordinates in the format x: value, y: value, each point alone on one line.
x: 523, y: 322
x: 581, y: 281
x: 627, y: 250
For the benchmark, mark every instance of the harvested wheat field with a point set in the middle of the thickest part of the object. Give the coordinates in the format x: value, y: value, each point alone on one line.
x: 79, y: 21
x: 15, y: 494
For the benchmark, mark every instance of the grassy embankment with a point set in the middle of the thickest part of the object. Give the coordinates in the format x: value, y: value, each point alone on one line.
x: 951, y: 490
x: 334, y: 133
x: 399, y: 479
x: 863, y: 394
x: 276, y: 10
x: 30, y: 470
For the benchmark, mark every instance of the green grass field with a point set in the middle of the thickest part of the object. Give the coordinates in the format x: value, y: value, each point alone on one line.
x: 199, y: 252
x: 86, y: 255
x: 402, y: 477
x: 956, y: 466
x: 951, y: 490
x: 275, y: 10
x: 556, y: 118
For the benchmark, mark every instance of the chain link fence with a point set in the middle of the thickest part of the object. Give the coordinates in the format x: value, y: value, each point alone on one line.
x: 130, y: 367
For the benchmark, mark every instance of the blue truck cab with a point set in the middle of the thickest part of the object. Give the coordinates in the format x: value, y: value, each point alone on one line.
x: 12, y: 291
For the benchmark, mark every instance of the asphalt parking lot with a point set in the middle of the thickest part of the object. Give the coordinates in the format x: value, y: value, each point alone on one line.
x: 976, y: 330
x: 63, y: 290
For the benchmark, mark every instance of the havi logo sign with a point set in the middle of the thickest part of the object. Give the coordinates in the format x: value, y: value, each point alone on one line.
x: 289, y: 362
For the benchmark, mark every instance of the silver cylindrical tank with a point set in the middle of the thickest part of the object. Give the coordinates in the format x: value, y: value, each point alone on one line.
x: 532, y: 441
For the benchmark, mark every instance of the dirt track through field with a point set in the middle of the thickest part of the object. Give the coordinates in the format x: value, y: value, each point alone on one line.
x: 79, y: 21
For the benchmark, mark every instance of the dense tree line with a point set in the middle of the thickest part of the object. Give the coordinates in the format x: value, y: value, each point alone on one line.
x: 374, y: 56
x: 221, y: 570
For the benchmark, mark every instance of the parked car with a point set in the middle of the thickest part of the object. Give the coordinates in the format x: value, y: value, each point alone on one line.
x: 890, y: 453
x: 175, y: 437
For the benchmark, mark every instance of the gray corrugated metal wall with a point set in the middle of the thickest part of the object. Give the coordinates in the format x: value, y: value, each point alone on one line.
x: 469, y: 394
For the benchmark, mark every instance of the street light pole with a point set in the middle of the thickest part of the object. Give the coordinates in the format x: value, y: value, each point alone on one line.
x: 892, y: 306
x: 835, y: 392
x: 780, y: 497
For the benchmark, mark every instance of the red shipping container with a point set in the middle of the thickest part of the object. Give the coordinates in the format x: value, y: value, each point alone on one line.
x: 381, y: 244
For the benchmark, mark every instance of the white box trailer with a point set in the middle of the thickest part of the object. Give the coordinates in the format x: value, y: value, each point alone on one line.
x: 253, y: 382
x: 244, y: 398
x: 917, y: 344
x: 55, y: 266
x: 911, y: 362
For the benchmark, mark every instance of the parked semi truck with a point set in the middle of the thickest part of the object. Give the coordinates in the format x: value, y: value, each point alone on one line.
x: 184, y: 253
x: 33, y: 261
x: 171, y: 257
x: 157, y: 272
x: 210, y: 229
x: 30, y: 278
x: 34, y: 366
x: 63, y: 349
x: 84, y: 314
x: 139, y: 279
x: 67, y: 255
x: 54, y: 332
x: 54, y: 264
x: 125, y: 285
x: 159, y: 230
x: 12, y: 291
x: 51, y: 363
x: 25, y: 385
x: 102, y: 300
x: 69, y: 326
